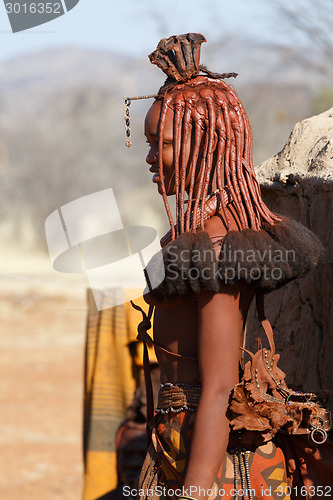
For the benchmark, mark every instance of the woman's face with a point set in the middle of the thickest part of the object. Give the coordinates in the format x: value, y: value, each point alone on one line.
x: 152, y: 128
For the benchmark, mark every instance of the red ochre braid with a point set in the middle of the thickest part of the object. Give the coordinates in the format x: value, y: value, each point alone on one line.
x: 209, y: 114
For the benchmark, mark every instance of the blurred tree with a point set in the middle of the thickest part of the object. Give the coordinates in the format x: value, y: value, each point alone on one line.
x: 186, y: 20
x: 312, y: 35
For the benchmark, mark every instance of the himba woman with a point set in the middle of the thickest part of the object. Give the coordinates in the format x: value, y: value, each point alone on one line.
x: 201, y: 152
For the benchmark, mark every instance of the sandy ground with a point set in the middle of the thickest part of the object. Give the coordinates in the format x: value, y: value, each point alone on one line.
x: 42, y: 322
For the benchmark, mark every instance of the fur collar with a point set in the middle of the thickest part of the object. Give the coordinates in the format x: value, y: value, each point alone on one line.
x: 265, y: 259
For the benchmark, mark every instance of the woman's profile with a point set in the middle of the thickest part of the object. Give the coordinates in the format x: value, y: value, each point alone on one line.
x: 222, y: 249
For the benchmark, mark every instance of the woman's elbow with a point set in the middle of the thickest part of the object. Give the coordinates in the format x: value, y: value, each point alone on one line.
x: 217, y: 395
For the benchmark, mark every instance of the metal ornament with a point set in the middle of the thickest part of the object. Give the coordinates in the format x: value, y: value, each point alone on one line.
x: 127, y: 107
x: 318, y: 435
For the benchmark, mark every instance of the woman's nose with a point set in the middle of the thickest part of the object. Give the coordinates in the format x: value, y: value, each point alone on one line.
x: 152, y: 157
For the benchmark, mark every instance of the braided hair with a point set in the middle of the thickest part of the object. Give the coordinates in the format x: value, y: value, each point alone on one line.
x: 211, y: 109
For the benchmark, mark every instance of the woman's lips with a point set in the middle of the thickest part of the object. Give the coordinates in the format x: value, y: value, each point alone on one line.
x: 156, y: 176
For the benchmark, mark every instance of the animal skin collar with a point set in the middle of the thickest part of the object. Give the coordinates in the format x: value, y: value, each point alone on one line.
x: 265, y: 259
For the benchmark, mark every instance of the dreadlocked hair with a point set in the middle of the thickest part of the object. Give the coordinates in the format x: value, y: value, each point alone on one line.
x: 205, y: 110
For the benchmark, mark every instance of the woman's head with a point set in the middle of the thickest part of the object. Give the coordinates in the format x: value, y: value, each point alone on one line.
x: 200, y: 139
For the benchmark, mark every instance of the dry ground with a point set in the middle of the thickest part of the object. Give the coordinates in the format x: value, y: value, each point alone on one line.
x: 42, y: 321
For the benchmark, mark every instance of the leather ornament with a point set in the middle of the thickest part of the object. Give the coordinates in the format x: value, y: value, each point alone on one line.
x: 262, y: 404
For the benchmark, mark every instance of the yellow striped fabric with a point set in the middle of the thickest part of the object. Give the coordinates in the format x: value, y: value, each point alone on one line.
x: 108, y: 386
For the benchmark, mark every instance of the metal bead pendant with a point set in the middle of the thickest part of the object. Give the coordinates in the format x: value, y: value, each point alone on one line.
x: 127, y: 107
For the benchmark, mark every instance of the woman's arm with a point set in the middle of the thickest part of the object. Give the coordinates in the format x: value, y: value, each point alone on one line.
x: 220, y: 326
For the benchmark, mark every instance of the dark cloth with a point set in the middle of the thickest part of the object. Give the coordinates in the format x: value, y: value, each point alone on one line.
x: 308, y: 467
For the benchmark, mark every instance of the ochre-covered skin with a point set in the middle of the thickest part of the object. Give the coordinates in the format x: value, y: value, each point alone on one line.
x: 200, y: 140
x: 208, y: 325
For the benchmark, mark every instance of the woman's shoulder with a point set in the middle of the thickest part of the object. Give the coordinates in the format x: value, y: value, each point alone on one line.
x: 217, y: 227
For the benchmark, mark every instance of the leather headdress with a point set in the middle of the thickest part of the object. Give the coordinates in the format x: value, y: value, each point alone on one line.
x: 178, y: 56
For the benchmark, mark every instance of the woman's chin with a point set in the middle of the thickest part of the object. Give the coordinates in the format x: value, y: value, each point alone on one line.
x: 167, y: 191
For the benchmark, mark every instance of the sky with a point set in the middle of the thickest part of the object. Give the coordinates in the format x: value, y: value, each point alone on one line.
x: 134, y: 27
